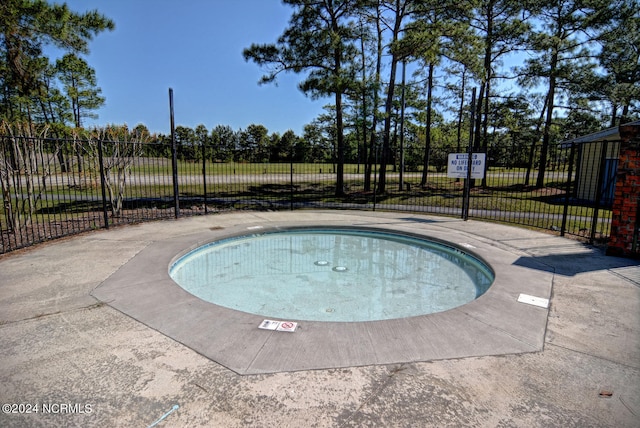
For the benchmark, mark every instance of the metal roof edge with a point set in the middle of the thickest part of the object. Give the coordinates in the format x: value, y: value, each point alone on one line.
x: 610, y: 134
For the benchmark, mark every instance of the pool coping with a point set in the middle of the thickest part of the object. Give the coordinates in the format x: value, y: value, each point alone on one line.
x: 494, y: 324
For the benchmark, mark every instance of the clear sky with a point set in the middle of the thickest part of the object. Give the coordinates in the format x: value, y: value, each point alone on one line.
x: 194, y: 47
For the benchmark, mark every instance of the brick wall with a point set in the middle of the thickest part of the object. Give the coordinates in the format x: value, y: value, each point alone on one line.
x: 624, y: 238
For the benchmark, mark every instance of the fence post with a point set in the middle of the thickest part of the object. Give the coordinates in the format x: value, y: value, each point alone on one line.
x: 6, y: 190
x: 174, y: 158
x: 291, y: 177
x: 594, y: 221
x: 567, y: 195
x: 402, y: 109
x: 204, y: 174
x: 103, y: 185
x: 467, y: 182
x: 375, y: 175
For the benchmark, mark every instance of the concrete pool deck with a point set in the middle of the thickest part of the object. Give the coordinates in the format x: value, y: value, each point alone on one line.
x: 94, y: 321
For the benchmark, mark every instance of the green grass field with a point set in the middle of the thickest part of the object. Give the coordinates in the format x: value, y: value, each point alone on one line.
x: 150, y: 179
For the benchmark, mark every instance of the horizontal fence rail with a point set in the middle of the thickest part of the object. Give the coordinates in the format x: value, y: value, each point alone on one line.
x: 57, y: 187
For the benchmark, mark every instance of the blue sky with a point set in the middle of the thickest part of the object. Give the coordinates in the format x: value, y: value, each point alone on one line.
x: 194, y: 47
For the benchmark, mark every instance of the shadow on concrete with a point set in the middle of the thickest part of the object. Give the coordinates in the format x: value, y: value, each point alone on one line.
x: 570, y: 264
x: 418, y: 220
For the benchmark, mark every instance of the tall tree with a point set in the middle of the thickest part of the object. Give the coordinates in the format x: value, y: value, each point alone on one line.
x: 50, y: 104
x: 253, y: 144
x: 319, y: 40
x: 514, y: 130
x: 620, y: 60
x: 408, y: 38
x: 186, y: 143
x: 563, y: 41
x: 500, y: 25
x: 203, y: 139
x: 80, y: 84
x: 25, y: 27
x: 284, y: 147
x: 319, y: 140
x: 441, y: 31
x: 368, y: 87
x: 393, y: 15
x: 225, y: 141
x: 371, y: 50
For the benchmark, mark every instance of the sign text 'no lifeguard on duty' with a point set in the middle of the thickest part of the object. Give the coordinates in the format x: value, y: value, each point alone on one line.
x: 457, y: 165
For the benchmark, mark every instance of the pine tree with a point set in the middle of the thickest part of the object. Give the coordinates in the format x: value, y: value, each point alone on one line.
x: 80, y: 85
x: 500, y: 25
x: 620, y: 60
x: 563, y: 41
x: 319, y: 40
x: 25, y: 27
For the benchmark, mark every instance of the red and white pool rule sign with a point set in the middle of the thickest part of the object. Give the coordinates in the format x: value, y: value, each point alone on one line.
x: 288, y: 326
x: 458, y: 162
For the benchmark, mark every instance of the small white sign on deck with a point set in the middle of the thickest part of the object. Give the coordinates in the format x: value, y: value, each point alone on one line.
x: 533, y: 300
x: 467, y: 245
x: 458, y: 163
x: 269, y: 325
x: 288, y: 326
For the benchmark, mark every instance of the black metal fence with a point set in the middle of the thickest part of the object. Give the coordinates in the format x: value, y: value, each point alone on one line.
x: 53, y: 187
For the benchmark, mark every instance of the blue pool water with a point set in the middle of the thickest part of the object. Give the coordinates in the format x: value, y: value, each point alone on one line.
x: 341, y: 275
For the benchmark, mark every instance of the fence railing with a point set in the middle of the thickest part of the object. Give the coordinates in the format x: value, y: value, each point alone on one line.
x: 52, y: 188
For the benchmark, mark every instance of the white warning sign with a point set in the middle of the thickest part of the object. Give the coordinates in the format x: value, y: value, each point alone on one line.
x: 288, y: 326
x: 269, y: 325
x: 458, y: 163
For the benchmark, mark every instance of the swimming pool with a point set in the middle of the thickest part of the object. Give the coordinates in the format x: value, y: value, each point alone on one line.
x: 340, y: 274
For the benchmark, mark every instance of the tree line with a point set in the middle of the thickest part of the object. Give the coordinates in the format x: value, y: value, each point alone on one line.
x: 399, y: 73
x: 316, y: 144
x: 580, y: 70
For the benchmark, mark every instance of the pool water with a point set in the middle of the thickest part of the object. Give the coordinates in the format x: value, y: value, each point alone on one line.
x: 341, y: 275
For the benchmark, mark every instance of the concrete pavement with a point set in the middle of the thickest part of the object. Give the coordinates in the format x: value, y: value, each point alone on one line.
x: 73, y: 348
